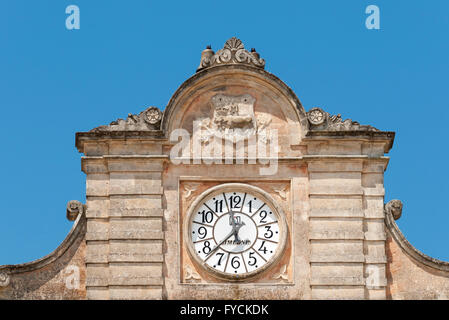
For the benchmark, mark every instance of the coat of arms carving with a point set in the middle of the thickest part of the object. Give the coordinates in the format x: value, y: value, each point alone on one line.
x: 233, y: 117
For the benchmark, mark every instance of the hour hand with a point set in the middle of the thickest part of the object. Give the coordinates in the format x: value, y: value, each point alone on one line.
x: 221, y: 242
x: 236, y: 229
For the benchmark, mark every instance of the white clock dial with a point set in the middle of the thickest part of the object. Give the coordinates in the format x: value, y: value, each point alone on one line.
x: 235, y: 230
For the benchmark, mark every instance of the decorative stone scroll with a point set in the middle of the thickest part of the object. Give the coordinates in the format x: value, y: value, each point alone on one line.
x: 147, y: 120
x: 281, y: 191
x: 74, y: 208
x: 4, y: 279
x: 282, y: 274
x: 189, y: 189
x: 233, y: 52
x: 191, y: 275
x: 322, y: 121
x: 394, y: 207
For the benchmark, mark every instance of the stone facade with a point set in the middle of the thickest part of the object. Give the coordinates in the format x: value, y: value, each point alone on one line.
x: 128, y: 240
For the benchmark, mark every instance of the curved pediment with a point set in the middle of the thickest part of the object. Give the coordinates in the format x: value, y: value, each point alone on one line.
x: 270, y: 102
x: 231, y: 73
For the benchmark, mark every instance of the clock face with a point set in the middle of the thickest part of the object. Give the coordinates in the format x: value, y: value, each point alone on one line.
x: 235, y: 231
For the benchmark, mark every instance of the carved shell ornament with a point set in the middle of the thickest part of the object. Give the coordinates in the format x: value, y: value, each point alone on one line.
x: 153, y: 115
x: 233, y: 52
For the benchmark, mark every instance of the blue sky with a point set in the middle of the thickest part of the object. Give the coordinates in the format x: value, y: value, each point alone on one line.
x: 132, y: 54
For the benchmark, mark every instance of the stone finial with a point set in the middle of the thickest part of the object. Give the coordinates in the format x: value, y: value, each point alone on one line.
x: 322, y: 121
x: 233, y: 52
x: 394, y: 207
x: 74, y: 208
x: 4, y: 279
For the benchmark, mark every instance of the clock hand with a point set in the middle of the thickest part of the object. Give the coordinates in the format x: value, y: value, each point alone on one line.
x: 235, y: 229
x: 221, y: 242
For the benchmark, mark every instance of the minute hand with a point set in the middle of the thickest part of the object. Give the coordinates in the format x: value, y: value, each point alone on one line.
x: 221, y: 242
x: 235, y: 230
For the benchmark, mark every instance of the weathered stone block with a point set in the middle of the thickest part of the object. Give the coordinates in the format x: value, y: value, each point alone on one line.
x: 97, y: 207
x: 337, y: 251
x: 135, y: 293
x: 337, y: 274
x: 97, y: 229
x: 338, y: 293
x: 373, y: 183
x: 335, y: 148
x: 97, y: 184
x: 375, y: 252
x: 335, y: 166
x: 98, y: 293
x: 135, y: 183
x: 135, y: 251
x: 329, y: 206
x: 97, y: 252
x: 132, y: 148
x: 136, y: 228
x: 374, y: 207
x: 375, y: 166
x: 95, y: 148
x: 373, y: 149
x: 376, y: 294
x: 336, y: 228
x: 335, y: 179
x: 375, y: 229
x: 139, y: 165
x: 375, y: 276
x: 97, y: 275
x: 136, y: 206
x: 93, y: 165
x: 127, y: 274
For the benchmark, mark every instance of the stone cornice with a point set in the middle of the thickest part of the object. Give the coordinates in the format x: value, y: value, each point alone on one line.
x: 81, y: 137
x: 386, y: 136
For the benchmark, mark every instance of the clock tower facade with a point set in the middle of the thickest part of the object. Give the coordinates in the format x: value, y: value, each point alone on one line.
x: 235, y: 191
x: 167, y: 191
